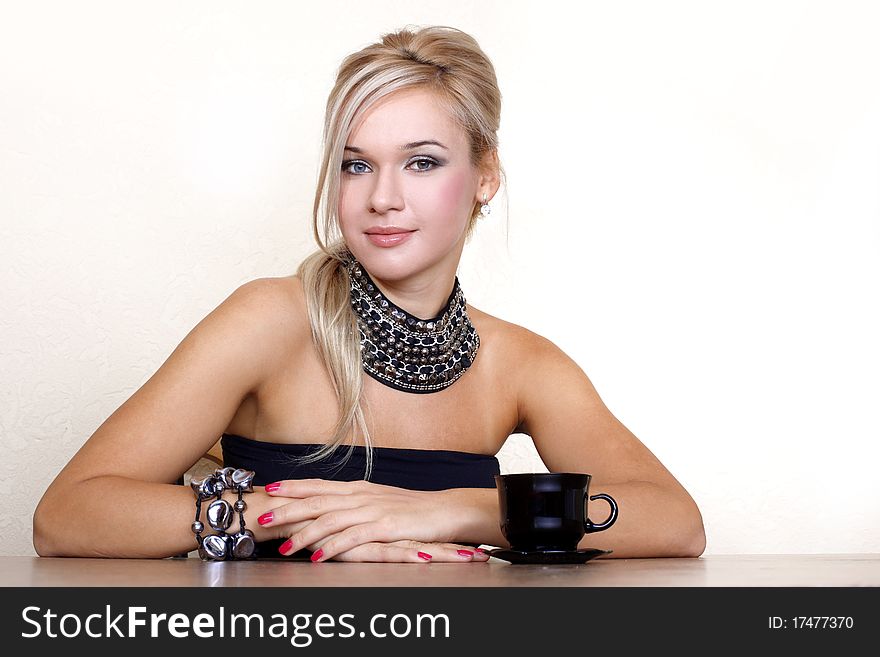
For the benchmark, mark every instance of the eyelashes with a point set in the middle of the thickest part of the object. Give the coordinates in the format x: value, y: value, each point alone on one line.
x: 426, y: 160
x: 348, y: 166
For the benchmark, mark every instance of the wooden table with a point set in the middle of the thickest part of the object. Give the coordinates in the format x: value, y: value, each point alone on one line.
x: 826, y: 570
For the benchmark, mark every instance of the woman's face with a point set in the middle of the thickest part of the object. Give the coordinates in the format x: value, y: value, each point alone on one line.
x: 407, y: 170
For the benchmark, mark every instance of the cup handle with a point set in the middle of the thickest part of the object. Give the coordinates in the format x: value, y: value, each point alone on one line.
x: 589, y: 526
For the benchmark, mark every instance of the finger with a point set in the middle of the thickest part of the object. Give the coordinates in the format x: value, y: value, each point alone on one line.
x: 347, y: 529
x: 412, y: 551
x: 446, y: 550
x: 308, y: 508
x: 479, y: 553
x: 309, y: 487
x: 469, y: 551
x: 385, y: 553
x: 283, y: 531
x: 438, y: 552
x: 453, y: 552
x: 345, y: 540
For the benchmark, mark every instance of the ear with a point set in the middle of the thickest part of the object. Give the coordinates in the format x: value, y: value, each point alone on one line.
x: 490, y: 176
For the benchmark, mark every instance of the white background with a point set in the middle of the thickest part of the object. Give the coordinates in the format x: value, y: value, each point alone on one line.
x: 693, y: 214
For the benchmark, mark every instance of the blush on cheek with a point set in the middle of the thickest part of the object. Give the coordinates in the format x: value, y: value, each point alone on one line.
x: 454, y: 194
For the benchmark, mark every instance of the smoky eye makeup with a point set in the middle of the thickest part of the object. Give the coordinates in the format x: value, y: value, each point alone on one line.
x: 419, y: 159
x: 346, y: 164
x: 418, y: 163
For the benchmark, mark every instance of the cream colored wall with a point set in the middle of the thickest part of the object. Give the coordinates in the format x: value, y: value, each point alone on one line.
x: 694, y: 216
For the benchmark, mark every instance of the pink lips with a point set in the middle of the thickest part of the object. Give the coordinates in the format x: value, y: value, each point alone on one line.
x: 388, y: 236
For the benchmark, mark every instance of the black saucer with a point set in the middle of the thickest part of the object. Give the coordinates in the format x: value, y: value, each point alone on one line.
x: 546, y: 556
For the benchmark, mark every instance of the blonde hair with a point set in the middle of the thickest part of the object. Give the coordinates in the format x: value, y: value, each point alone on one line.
x: 450, y: 64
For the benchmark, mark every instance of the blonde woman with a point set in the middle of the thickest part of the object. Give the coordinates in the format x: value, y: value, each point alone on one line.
x: 364, y: 395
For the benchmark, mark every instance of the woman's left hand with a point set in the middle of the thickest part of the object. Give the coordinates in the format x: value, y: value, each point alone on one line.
x: 345, y: 515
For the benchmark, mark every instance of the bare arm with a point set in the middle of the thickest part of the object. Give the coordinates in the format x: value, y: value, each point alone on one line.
x: 116, y: 497
x: 574, y: 431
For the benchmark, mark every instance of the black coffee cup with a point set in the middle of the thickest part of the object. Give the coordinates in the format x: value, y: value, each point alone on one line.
x: 547, y: 511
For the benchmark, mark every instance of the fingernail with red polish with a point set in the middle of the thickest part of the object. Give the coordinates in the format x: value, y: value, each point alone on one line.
x: 285, y: 546
x: 480, y: 550
x: 271, y: 488
x: 466, y: 553
x: 266, y: 518
x: 317, y: 555
x: 425, y: 556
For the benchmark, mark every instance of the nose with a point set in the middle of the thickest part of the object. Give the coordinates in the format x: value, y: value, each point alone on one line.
x: 386, y: 193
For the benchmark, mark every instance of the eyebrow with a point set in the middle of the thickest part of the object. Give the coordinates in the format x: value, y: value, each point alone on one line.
x: 405, y: 147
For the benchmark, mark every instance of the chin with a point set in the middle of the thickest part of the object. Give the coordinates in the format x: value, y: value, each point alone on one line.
x: 386, y: 264
x: 385, y: 267
x: 398, y: 263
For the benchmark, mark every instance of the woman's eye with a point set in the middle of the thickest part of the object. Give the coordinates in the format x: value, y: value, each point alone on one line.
x: 357, y: 167
x: 424, y: 164
x: 354, y: 166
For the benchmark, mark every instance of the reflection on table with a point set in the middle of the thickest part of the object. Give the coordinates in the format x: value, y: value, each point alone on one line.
x: 721, y: 570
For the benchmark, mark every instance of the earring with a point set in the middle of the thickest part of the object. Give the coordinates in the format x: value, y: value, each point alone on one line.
x: 485, y: 209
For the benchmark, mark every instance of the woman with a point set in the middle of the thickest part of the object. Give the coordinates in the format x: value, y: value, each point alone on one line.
x: 409, y: 166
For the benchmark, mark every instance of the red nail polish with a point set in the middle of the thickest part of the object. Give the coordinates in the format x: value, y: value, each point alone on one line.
x: 266, y: 518
x: 317, y: 555
x: 271, y: 488
x: 466, y: 553
x: 425, y: 556
x: 480, y: 550
x: 285, y: 546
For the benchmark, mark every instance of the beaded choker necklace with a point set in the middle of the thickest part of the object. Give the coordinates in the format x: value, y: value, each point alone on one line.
x: 405, y: 352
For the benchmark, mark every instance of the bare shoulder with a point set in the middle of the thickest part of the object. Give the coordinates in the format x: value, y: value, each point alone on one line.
x: 515, y: 341
x: 280, y: 295
x: 531, y: 367
x: 273, y: 308
x: 275, y: 303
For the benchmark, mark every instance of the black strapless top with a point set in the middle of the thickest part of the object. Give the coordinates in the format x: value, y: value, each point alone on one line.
x: 414, y: 469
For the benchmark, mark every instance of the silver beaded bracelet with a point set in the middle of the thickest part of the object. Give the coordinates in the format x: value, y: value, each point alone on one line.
x: 222, y: 546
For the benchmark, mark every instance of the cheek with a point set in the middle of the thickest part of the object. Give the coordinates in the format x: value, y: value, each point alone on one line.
x: 453, y: 195
x: 343, y: 208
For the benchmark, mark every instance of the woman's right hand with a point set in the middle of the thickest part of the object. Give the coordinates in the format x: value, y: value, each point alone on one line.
x: 412, y: 552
